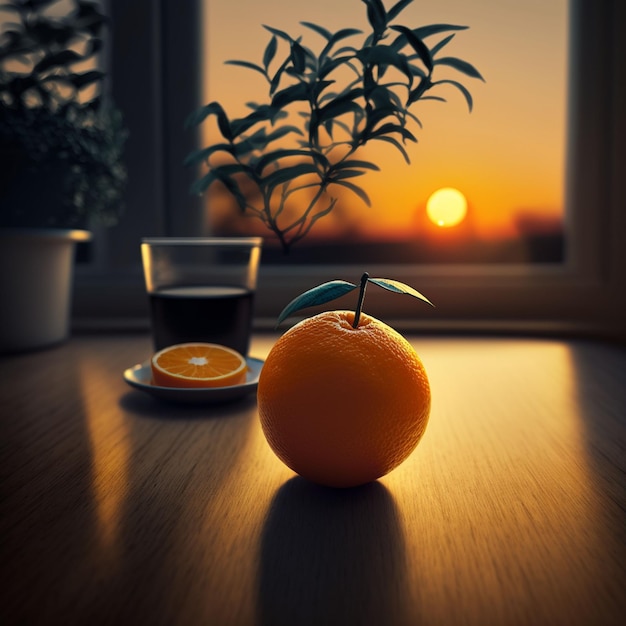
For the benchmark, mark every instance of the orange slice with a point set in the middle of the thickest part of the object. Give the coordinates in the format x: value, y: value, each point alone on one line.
x: 198, y: 365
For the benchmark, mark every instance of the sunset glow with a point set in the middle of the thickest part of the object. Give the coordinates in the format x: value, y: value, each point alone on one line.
x: 507, y: 155
x: 446, y: 207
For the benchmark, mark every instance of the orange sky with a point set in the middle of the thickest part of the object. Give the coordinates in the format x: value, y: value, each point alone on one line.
x: 506, y: 157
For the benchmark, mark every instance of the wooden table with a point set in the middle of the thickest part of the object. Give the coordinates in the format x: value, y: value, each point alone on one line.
x: 119, y: 509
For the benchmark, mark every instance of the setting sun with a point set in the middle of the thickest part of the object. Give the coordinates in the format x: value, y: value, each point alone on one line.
x: 446, y: 207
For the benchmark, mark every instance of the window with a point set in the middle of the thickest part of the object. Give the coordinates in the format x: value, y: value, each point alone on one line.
x: 155, y: 70
x: 505, y: 161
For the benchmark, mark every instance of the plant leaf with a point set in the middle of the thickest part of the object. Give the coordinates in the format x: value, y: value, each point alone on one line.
x: 330, y: 64
x: 445, y: 41
x: 345, y: 173
x: 200, y: 156
x: 397, y: 287
x: 270, y: 157
x: 434, y: 29
x: 293, y: 93
x: 344, y: 33
x: 264, y: 113
x: 418, y: 45
x: 354, y: 188
x: 222, y: 173
x: 395, y: 10
x: 416, y: 70
x: 336, y: 108
x: 385, y: 100
x: 318, y: 295
x: 389, y: 128
x: 357, y: 163
x: 376, y: 15
x: 397, y: 144
x: 424, y: 85
x: 287, y: 174
x: 248, y: 65
x: 270, y: 52
x: 320, y: 30
x: 385, y: 55
x: 461, y: 66
x: 281, y: 132
x: 213, y: 108
x: 461, y: 88
x: 279, y: 33
x: 342, y: 104
x: 425, y: 31
x: 298, y: 56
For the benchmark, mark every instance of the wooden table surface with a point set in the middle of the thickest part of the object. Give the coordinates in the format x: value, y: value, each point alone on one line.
x: 120, y: 509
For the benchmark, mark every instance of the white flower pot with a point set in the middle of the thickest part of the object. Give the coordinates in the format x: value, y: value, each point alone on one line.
x: 36, y: 276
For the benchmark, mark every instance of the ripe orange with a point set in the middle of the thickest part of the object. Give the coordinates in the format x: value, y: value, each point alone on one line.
x: 343, y: 406
x: 198, y: 365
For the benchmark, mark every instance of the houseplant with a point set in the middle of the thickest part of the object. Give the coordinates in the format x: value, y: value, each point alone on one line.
x: 61, y: 167
x: 284, y: 162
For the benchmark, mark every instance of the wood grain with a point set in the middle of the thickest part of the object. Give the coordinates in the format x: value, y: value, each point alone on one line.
x: 118, y: 509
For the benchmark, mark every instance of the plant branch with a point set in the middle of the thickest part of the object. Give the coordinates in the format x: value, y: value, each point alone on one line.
x: 372, y: 103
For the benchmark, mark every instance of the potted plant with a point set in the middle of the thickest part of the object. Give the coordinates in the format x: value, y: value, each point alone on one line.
x: 61, y: 167
x: 284, y: 162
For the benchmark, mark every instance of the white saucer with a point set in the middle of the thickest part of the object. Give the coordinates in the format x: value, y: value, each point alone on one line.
x: 140, y: 377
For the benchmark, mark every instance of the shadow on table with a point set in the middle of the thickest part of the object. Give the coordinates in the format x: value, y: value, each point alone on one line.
x: 143, y: 405
x: 332, y: 556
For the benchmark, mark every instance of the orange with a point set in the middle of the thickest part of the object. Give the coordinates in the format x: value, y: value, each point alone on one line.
x: 198, y: 365
x: 343, y: 406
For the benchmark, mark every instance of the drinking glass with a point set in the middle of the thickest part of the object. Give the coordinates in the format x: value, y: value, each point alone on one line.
x: 201, y: 289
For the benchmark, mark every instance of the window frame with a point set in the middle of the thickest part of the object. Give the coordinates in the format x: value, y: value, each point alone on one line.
x: 585, y: 295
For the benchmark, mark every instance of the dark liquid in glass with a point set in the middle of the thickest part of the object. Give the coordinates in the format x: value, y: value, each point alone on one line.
x: 210, y: 314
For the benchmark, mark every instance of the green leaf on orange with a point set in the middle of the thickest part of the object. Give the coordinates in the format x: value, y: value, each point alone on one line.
x: 397, y: 287
x: 318, y: 295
